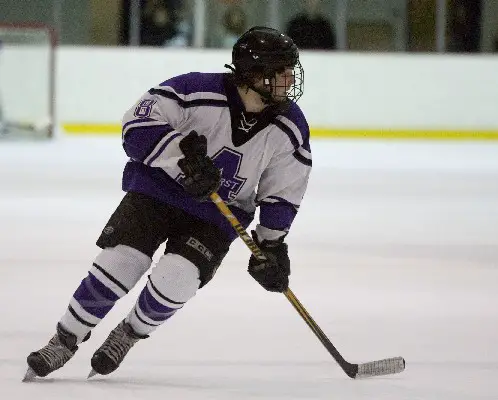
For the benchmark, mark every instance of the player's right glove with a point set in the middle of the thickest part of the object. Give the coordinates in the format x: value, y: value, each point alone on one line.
x: 272, y: 274
x: 202, y: 178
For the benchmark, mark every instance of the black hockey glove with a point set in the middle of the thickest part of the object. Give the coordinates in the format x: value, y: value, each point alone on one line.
x: 201, y: 176
x: 273, y: 274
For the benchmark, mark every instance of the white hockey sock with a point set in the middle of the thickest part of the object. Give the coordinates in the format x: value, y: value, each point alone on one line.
x: 115, y: 271
x: 173, y: 281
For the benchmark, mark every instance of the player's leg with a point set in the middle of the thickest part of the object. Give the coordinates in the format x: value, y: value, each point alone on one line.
x: 191, y: 259
x: 128, y: 242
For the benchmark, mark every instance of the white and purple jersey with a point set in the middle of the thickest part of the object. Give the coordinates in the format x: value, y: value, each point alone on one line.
x: 265, y: 158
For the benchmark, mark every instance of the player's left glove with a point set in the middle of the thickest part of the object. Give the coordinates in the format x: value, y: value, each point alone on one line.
x: 273, y: 274
x: 202, y: 178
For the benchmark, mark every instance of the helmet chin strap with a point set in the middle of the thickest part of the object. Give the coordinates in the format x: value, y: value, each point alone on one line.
x: 266, y: 96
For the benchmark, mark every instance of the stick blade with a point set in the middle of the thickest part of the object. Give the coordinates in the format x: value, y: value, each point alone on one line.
x: 388, y: 366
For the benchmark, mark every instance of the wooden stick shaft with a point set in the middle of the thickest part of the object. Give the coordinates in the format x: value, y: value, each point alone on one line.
x: 375, y: 368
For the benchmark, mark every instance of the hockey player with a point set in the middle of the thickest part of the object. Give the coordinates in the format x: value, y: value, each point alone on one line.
x: 192, y: 135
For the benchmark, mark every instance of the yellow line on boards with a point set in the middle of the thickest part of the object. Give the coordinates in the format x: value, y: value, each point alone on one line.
x: 93, y: 129
x: 406, y: 134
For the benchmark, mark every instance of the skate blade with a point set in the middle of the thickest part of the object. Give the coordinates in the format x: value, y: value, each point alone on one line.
x: 92, y: 373
x: 29, y: 376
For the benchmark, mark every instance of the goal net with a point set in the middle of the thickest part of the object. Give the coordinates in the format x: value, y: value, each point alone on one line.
x: 26, y: 81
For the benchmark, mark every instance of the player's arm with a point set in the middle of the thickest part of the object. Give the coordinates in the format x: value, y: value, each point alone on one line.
x: 281, y: 189
x: 150, y: 136
x: 150, y: 128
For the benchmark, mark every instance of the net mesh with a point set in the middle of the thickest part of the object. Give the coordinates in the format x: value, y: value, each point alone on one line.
x: 26, y: 81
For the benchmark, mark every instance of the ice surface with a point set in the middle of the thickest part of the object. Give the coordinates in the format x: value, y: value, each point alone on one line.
x: 394, y: 253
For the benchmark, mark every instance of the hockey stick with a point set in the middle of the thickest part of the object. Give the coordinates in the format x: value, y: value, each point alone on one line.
x: 386, y: 366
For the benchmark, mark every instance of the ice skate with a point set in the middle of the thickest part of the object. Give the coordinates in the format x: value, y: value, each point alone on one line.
x: 113, y: 351
x: 59, y: 350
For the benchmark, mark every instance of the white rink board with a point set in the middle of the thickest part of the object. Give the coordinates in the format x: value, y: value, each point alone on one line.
x: 342, y: 90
